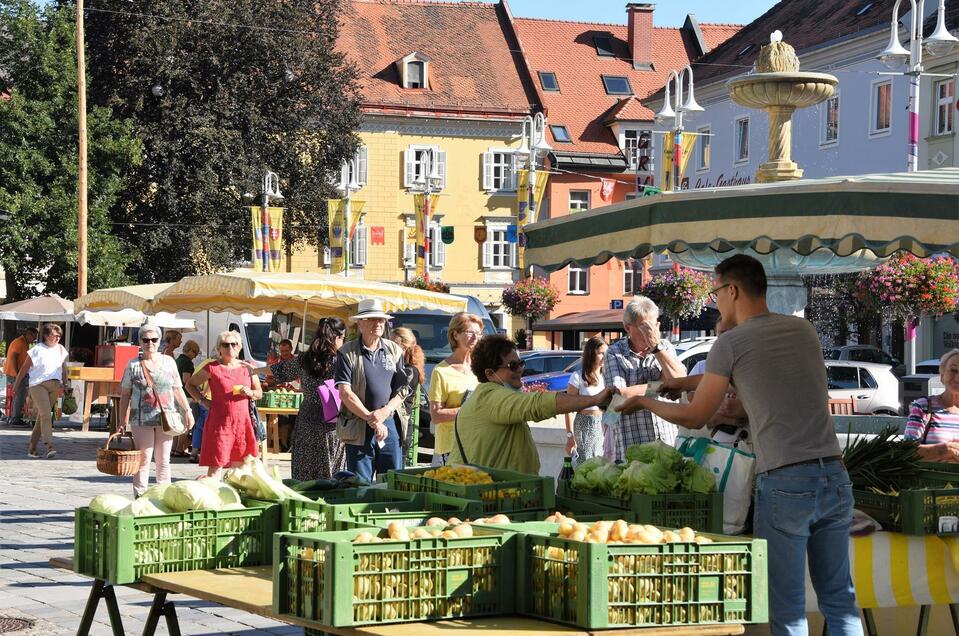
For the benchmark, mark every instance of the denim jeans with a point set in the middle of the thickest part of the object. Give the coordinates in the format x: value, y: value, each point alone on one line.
x: 804, y: 512
x: 369, y: 459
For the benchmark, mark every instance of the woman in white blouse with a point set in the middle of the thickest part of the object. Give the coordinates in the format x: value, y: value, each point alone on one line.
x: 584, y: 434
x: 44, y: 364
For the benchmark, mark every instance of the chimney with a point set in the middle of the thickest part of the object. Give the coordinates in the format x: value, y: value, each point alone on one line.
x: 640, y: 26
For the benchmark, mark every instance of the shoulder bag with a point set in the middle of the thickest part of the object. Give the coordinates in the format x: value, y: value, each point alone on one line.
x: 259, y: 431
x: 171, y: 421
x: 459, y: 442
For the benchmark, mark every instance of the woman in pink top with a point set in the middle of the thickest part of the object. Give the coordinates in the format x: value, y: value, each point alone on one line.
x: 228, y: 435
x: 934, y: 420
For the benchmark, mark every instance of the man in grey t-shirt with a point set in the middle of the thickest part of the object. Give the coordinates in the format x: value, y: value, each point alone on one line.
x: 803, y: 497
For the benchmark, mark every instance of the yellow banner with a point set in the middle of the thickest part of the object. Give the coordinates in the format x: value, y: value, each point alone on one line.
x: 425, y: 209
x: 669, y: 163
x: 267, y: 238
x: 336, y: 209
x: 528, y: 211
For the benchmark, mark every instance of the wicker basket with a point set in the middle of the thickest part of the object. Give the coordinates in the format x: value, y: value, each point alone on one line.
x: 123, y: 463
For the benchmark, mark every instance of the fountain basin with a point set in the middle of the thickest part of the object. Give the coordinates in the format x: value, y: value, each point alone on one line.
x: 795, y: 89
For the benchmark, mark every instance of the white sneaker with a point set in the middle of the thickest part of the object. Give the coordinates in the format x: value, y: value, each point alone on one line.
x: 33, y: 454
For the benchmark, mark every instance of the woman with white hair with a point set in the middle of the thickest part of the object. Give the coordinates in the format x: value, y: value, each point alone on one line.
x: 934, y: 420
x: 151, y: 384
x: 228, y: 436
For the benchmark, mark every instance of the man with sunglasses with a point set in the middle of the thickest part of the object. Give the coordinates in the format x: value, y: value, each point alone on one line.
x: 803, y: 497
x: 633, y: 362
x: 491, y: 427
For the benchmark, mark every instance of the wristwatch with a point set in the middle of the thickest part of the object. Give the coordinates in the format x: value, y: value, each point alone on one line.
x: 659, y: 347
x: 569, y: 434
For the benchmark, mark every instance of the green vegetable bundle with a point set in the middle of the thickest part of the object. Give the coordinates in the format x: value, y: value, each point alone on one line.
x: 654, y: 469
x: 883, y: 463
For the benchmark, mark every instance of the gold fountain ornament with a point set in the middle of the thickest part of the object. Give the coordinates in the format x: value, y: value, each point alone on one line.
x: 778, y: 86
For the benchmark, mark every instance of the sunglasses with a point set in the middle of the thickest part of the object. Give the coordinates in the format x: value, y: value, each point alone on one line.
x: 229, y: 344
x: 149, y: 340
x: 514, y: 366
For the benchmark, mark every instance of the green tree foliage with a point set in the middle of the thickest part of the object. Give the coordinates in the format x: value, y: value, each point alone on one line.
x: 221, y: 91
x: 38, y: 159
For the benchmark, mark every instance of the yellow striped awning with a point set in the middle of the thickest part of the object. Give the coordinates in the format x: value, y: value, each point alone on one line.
x: 137, y: 297
x: 257, y: 292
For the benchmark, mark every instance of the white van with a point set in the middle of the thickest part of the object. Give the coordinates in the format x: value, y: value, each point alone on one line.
x: 254, y: 332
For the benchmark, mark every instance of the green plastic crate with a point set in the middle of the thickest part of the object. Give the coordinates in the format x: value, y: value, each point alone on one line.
x: 701, y: 512
x: 121, y: 548
x: 275, y: 400
x: 598, y: 586
x: 509, y: 491
x: 325, y: 578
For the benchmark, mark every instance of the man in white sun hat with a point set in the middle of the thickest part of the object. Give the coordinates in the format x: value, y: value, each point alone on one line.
x: 372, y: 382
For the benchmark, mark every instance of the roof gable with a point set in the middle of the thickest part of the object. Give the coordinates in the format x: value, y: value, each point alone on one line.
x: 473, y: 67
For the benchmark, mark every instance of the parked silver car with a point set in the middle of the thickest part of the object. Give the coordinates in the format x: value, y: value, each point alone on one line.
x: 866, y: 353
x: 873, y: 386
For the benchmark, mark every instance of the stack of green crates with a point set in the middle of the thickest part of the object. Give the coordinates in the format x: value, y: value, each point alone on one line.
x: 122, y: 548
x: 510, y: 491
x: 326, y: 578
x: 277, y: 400
x: 599, y: 586
x: 931, y: 509
x: 701, y: 512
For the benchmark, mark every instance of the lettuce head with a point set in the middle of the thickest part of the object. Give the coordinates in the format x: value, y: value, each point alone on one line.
x: 652, y: 452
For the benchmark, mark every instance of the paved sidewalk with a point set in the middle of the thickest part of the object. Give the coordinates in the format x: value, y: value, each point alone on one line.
x: 37, y: 500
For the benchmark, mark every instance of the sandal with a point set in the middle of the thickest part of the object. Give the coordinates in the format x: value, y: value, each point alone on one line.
x: 179, y: 454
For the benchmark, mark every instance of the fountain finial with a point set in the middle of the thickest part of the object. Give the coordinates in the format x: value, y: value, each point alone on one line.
x: 777, y: 56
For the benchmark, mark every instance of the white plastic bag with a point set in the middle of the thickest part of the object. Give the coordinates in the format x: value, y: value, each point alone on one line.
x: 734, y: 469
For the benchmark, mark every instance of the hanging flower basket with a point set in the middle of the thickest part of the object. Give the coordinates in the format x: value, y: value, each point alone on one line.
x: 906, y: 286
x: 434, y: 285
x: 681, y: 293
x: 531, y: 297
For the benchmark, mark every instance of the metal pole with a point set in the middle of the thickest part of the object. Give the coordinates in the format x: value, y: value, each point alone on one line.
x: 912, y: 156
x: 82, y: 152
x: 346, y: 231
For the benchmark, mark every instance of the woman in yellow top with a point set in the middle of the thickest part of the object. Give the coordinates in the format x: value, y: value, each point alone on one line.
x: 451, y: 380
x: 492, y: 428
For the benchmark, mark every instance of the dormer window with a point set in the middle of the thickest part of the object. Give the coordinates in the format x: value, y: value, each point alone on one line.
x: 414, y: 70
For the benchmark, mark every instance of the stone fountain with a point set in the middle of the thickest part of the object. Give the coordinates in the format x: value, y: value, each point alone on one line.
x: 779, y: 87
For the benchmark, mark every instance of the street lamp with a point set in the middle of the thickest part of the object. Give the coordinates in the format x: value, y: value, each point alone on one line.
x: 428, y: 179
x: 534, y: 142
x: 940, y: 42
x: 271, y: 191
x: 676, y: 111
x: 346, y: 187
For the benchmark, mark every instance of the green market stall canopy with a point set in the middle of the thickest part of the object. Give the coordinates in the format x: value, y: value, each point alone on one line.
x: 880, y: 213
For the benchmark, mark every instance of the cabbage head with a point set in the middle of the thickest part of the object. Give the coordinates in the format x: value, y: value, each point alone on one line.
x: 579, y: 481
x: 226, y: 493
x: 145, y: 506
x: 602, y: 480
x: 646, y: 479
x: 697, y: 479
x: 653, y: 452
x: 110, y: 504
x: 188, y: 494
x: 155, y: 491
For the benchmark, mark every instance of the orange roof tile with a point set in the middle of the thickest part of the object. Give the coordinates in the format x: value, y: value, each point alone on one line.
x: 473, y: 67
x: 582, y: 105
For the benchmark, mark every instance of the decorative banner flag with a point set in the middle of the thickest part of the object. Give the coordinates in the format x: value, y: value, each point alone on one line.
x: 425, y: 209
x: 355, y: 212
x: 511, y: 233
x: 606, y: 190
x: 528, y: 203
x: 480, y: 234
x: 378, y: 235
x: 337, y: 219
x: 446, y: 234
x: 674, y: 164
x: 522, y: 196
x: 267, y: 238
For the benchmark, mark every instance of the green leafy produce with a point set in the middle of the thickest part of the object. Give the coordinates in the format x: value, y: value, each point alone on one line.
x: 155, y: 491
x: 580, y: 477
x: 253, y: 479
x: 883, y: 463
x: 647, y: 479
x: 604, y: 478
x: 695, y: 478
x: 144, y: 506
x: 652, y: 452
x: 188, y: 494
x: 226, y: 493
x: 109, y: 504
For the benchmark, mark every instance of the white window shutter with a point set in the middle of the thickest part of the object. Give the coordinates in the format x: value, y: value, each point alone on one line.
x: 513, y: 250
x: 409, y: 159
x: 487, y: 171
x: 362, y: 163
x: 441, y: 165
x: 440, y: 251
x: 514, y: 166
x: 488, y: 249
x: 359, y: 246
x: 325, y: 257
x: 409, y: 250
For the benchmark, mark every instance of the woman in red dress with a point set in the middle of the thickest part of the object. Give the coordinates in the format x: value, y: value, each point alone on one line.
x: 228, y: 435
